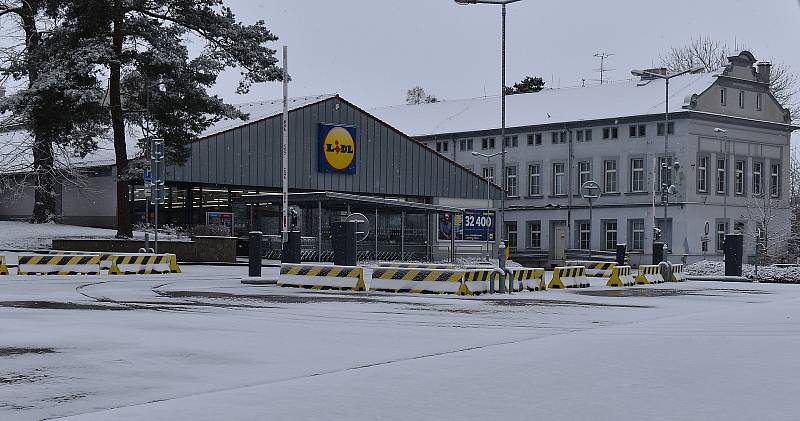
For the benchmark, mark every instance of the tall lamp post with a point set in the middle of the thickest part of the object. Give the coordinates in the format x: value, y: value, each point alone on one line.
x: 503, y: 3
x: 488, y: 193
x: 666, y: 164
x: 727, y: 141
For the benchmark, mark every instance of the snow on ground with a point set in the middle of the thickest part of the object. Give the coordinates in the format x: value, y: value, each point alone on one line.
x: 769, y: 273
x: 202, y: 346
x: 25, y: 236
x: 16, y: 235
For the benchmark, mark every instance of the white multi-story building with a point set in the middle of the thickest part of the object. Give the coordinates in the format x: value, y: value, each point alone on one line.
x: 727, y: 132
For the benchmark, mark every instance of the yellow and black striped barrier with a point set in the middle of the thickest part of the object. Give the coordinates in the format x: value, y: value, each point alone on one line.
x: 105, y: 258
x: 621, y: 276
x: 594, y: 269
x: 322, y: 277
x: 58, y: 264
x: 678, y: 273
x: 418, y: 280
x: 531, y: 279
x: 143, y: 264
x: 466, y: 281
x: 649, y: 274
x: 3, y: 267
x: 569, y: 277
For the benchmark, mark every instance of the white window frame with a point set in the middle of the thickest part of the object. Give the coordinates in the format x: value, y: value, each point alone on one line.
x: 535, y: 234
x: 584, y: 235
x: 559, y: 179
x: 758, y: 178
x: 739, y: 182
x: 607, y: 232
x: 775, y: 180
x: 488, y: 172
x: 637, y: 234
x: 512, y: 184
x: 584, y: 172
x: 722, y: 176
x: 534, y: 180
x: 637, y: 174
x: 610, y: 178
x: 702, y: 174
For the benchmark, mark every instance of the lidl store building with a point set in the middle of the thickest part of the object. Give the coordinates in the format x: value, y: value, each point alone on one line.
x: 342, y: 160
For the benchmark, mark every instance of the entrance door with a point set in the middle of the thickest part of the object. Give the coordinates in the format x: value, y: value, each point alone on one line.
x: 559, y: 241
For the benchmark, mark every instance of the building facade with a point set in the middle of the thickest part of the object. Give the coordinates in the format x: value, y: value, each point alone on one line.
x: 235, y: 168
x: 728, y: 135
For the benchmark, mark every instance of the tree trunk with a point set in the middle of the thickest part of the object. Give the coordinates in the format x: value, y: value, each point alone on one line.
x: 44, y: 204
x: 124, y: 229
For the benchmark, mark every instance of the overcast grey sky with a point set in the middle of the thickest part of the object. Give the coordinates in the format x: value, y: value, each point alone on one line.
x: 372, y: 51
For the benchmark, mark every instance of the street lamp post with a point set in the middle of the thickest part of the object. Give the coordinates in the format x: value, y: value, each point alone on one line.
x: 488, y: 194
x: 503, y: 3
x: 665, y: 163
x: 727, y: 140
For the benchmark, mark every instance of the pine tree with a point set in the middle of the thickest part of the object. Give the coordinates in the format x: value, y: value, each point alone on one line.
x: 59, y: 105
x: 144, y: 44
x: 526, y: 86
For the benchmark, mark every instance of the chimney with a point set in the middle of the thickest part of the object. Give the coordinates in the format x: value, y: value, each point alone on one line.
x: 764, y: 68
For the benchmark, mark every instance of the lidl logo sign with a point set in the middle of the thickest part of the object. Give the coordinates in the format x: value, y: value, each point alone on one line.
x: 337, y: 148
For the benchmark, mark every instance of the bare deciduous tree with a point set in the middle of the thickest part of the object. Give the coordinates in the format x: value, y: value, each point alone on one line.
x: 713, y: 54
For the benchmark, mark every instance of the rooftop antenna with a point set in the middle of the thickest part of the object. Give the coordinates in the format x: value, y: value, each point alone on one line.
x: 603, y: 69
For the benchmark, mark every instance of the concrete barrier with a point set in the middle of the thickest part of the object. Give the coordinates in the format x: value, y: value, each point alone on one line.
x: 58, y: 264
x: 531, y: 279
x: 322, y: 277
x: 594, y: 269
x: 433, y: 280
x: 621, y: 276
x: 678, y: 274
x: 569, y: 277
x: 143, y: 264
x: 649, y: 274
x: 105, y: 258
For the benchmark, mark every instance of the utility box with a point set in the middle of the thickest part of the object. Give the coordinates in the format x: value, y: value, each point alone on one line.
x: 733, y: 248
x: 344, y: 243
x: 291, y: 249
x: 658, y: 252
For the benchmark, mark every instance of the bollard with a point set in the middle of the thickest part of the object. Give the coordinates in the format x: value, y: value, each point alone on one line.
x: 658, y: 252
x: 621, y: 251
x: 733, y: 254
x: 254, y: 245
x: 501, y: 260
x: 291, y: 252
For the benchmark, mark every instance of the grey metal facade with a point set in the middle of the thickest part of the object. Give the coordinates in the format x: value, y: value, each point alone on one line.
x: 389, y: 163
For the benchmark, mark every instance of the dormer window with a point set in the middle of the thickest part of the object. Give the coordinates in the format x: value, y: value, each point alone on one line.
x: 723, y: 96
x: 741, y: 99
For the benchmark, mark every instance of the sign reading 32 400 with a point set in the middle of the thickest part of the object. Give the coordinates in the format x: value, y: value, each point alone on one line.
x: 337, y: 148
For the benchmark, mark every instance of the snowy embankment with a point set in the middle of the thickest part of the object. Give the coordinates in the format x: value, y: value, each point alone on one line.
x: 16, y: 235
x: 782, y: 275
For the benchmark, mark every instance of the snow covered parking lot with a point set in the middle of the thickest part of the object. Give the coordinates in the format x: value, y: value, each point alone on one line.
x: 202, y: 346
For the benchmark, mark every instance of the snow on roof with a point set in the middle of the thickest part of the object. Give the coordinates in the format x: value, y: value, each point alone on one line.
x: 550, y: 106
x: 15, y: 144
x: 260, y: 110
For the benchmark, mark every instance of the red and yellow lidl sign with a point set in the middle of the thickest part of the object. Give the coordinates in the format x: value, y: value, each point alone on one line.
x: 337, y: 148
